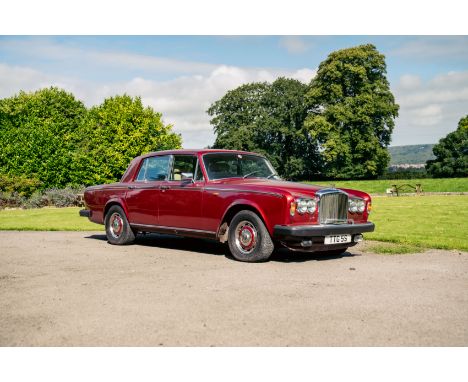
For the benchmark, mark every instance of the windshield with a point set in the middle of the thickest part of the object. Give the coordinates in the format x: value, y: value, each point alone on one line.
x: 228, y: 165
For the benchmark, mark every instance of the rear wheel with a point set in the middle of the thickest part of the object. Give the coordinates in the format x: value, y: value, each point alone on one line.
x: 248, y: 238
x: 118, y: 229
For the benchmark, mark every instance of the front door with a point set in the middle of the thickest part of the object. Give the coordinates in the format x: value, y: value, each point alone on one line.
x: 142, y: 196
x: 180, y: 199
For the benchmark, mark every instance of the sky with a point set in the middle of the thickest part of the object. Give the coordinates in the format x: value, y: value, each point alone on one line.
x: 180, y: 76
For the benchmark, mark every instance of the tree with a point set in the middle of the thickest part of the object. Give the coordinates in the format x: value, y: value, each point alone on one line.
x: 351, y: 113
x: 268, y: 119
x: 451, y: 154
x: 37, y: 133
x: 115, y: 132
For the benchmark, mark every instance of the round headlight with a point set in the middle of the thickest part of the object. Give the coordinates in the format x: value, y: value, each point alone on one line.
x: 311, y: 206
x: 353, y: 206
x: 361, y: 205
x: 301, y: 206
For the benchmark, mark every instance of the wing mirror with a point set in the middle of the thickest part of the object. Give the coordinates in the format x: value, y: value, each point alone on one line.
x: 187, y: 176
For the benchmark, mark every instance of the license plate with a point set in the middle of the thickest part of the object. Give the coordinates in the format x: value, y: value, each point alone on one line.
x: 337, y: 239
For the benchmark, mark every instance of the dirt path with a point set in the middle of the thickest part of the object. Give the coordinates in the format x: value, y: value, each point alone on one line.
x: 72, y: 288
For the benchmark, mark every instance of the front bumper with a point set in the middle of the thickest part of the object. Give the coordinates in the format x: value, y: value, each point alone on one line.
x: 311, y: 238
x: 286, y: 232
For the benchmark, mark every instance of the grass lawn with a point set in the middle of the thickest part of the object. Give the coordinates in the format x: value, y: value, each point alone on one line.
x: 46, y: 219
x: 380, y: 186
x: 434, y: 221
x: 418, y: 221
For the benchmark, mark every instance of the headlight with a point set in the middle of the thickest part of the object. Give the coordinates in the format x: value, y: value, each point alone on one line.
x: 311, y: 206
x: 301, y: 206
x: 356, y: 205
x: 304, y: 205
x: 361, y: 205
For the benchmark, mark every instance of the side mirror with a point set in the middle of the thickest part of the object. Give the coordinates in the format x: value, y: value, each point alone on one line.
x: 187, y: 176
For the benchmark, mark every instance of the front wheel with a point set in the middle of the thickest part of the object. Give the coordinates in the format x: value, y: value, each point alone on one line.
x: 248, y: 238
x: 118, y: 229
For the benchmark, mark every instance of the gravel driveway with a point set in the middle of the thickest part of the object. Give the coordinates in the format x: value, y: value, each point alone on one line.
x: 73, y: 288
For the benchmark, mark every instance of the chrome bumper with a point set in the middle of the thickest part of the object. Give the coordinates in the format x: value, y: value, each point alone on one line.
x: 295, y: 232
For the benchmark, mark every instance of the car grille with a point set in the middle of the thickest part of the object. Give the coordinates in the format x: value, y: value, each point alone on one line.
x: 333, y: 207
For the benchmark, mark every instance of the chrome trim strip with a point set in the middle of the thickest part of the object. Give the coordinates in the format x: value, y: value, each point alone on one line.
x: 173, y: 228
x: 238, y: 190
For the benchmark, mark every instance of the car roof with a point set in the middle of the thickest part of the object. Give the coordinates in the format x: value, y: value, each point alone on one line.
x: 196, y: 151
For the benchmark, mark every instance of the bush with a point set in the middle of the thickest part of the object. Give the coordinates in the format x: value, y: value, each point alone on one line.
x: 20, y: 184
x: 66, y: 197
x: 11, y: 199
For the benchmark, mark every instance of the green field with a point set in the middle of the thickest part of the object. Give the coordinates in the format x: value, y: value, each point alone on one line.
x: 421, y: 221
x: 379, y: 186
x: 428, y: 221
x: 46, y: 219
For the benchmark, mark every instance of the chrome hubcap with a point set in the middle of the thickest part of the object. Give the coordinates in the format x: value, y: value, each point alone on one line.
x: 246, y: 237
x: 116, y: 225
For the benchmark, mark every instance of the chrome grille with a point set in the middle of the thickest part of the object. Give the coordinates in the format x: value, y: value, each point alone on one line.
x: 333, y: 207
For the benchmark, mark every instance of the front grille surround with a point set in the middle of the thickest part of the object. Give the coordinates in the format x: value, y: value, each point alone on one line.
x: 332, y: 206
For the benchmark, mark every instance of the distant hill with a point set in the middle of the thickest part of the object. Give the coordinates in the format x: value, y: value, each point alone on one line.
x: 411, y: 154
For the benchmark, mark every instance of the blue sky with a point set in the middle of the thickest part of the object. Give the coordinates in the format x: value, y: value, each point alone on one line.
x: 182, y: 75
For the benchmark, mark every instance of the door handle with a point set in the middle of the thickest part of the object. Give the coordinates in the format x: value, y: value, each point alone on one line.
x: 131, y: 187
x: 164, y: 188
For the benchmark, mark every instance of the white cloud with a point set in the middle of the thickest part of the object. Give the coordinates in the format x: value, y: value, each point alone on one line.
x: 294, y: 44
x: 183, y: 100
x: 426, y: 47
x: 430, y: 110
x: 58, y: 52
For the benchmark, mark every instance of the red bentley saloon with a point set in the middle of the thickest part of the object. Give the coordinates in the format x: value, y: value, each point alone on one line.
x: 230, y: 196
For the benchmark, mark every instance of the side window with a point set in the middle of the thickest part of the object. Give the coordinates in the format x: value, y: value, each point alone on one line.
x: 154, y: 168
x: 184, y: 167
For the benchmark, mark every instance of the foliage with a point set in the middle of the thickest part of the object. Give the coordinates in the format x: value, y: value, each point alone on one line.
x: 11, y: 199
x: 50, y: 140
x: 410, y: 154
x: 379, y: 186
x: 115, y: 132
x: 37, y: 132
x: 351, y: 113
x: 268, y: 119
x: 21, y: 184
x: 58, y: 197
x: 451, y: 153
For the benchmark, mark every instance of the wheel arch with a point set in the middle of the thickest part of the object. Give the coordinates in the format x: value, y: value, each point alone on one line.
x: 114, y: 202
x: 232, y: 210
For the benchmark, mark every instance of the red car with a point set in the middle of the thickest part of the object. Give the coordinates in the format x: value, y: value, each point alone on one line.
x: 230, y: 196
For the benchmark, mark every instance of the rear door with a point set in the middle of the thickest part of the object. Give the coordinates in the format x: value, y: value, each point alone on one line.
x: 142, y: 196
x: 180, y: 199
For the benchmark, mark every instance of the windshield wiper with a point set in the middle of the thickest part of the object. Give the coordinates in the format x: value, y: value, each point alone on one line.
x: 270, y: 176
x: 250, y: 174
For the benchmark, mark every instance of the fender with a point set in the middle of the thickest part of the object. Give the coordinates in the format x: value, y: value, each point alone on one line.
x: 115, y: 200
x: 249, y: 203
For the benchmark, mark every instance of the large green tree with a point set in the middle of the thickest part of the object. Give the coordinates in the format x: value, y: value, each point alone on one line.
x: 37, y: 135
x: 115, y: 132
x: 451, y: 153
x: 351, y: 113
x: 268, y: 119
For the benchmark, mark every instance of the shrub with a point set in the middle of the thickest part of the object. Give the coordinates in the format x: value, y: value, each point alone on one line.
x: 11, y: 199
x: 66, y: 197
x: 23, y: 185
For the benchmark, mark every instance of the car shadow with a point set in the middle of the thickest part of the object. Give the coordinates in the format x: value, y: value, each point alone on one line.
x: 175, y: 242
x: 211, y: 247
x: 284, y: 255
